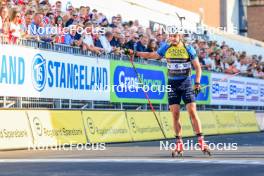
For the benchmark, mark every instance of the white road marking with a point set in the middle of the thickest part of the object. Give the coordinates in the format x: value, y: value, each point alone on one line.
x: 161, y: 161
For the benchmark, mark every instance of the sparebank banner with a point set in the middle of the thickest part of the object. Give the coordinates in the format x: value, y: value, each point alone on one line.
x: 261, y: 93
x: 126, y: 85
x: 26, y: 72
x: 236, y: 90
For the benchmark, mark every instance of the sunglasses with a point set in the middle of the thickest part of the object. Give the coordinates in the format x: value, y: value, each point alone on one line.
x: 136, y: 38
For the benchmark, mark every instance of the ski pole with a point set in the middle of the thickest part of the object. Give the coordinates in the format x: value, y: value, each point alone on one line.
x: 146, y: 95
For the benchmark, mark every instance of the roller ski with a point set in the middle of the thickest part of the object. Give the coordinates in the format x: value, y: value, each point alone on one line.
x: 204, y: 147
x: 178, y: 151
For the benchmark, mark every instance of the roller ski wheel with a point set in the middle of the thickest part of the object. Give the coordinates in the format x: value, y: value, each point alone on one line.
x: 178, y: 152
x: 204, y: 147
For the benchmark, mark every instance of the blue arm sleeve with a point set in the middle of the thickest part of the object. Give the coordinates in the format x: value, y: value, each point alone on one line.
x: 162, y: 50
x: 191, y: 51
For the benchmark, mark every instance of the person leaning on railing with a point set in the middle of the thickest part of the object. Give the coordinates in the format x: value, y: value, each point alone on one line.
x: 88, y: 42
x: 72, y: 38
x: 28, y: 17
x: 231, y: 69
x: 15, y: 27
x: 5, y: 20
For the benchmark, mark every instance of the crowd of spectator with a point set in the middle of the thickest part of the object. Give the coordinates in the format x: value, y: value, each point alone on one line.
x: 19, y: 18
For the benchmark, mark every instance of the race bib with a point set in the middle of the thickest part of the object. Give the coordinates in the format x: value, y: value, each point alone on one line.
x: 179, y: 66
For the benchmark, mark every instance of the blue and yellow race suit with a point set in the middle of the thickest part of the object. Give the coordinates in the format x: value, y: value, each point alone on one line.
x: 179, y: 60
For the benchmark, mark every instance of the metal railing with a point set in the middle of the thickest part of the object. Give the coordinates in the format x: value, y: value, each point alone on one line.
x: 62, y: 48
x: 49, y: 103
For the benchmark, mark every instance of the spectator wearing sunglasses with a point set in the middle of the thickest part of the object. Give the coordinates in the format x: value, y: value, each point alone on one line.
x: 73, y: 20
x: 116, y: 35
x: 131, y: 43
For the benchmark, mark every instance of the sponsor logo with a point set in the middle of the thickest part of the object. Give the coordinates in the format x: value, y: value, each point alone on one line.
x: 250, y: 91
x: 165, y: 123
x: 133, y: 124
x: 126, y: 80
x: 261, y: 92
x: 219, y: 89
x: 90, y: 125
x: 234, y: 90
x: 39, y: 72
x: 38, y: 126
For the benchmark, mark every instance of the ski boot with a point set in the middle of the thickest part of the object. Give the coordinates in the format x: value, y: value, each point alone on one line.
x: 203, y: 146
x: 178, y: 150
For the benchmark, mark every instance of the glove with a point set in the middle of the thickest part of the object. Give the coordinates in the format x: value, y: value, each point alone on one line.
x: 197, y: 88
x: 128, y: 52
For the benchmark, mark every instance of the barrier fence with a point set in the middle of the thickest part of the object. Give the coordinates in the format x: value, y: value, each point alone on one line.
x: 56, y: 76
x: 42, y: 128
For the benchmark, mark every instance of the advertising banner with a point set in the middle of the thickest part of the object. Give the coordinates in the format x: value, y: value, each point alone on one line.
x: 106, y: 126
x: 226, y: 122
x: 261, y: 93
x: 237, y: 89
x: 252, y: 92
x: 167, y: 123
x: 208, y: 121
x: 242, y: 91
x: 143, y: 126
x: 219, y: 89
x: 46, y: 74
x: 15, y: 131
x: 247, y: 121
x: 125, y: 86
x: 52, y: 128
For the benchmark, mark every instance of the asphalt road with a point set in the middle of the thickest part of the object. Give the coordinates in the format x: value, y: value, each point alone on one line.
x: 141, y: 158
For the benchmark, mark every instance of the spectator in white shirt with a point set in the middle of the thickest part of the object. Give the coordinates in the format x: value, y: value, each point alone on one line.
x: 210, y: 62
x: 105, y: 41
x: 242, y: 65
x: 88, y: 42
x: 15, y: 26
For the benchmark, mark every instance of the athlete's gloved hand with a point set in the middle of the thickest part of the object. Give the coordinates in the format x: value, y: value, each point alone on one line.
x: 197, y: 88
x: 128, y: 52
